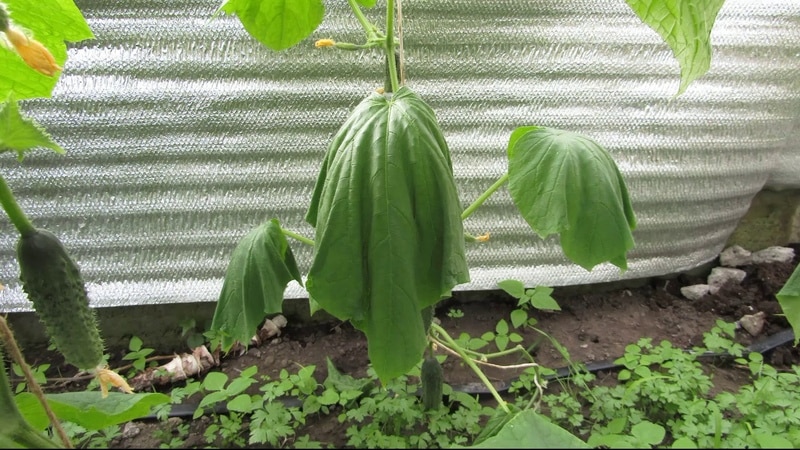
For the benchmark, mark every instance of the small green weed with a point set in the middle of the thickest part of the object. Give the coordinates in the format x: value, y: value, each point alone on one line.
x: 662, y: 400
x: 137, y: 355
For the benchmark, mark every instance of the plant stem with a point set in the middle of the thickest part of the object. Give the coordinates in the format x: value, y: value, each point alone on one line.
x: 488, y: 193
x: 516, y: 349
x: 298, y: 237
x: 390, y: 57
x: 12, y: 208
x: 484, y: 363
x: 368, y: 27
x: 16, y: 355
x: 441, y: 332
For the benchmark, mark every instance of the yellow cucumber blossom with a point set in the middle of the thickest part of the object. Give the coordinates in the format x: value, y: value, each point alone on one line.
x: 324, y: 43
x: 35, y: 55
x: 483, y: 238
x: 108, y: 378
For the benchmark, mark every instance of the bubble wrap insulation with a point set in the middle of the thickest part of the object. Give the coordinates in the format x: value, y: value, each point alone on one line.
x: 183, y: 133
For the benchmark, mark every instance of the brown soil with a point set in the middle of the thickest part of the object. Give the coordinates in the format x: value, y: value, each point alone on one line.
x: 595, y: 324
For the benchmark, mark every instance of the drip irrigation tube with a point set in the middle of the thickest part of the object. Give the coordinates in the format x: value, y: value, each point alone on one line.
x: 762, y: 346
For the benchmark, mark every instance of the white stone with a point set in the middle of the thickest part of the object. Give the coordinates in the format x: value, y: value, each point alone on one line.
x: 735, y: 256
x: 774, y: 254
x: 130, y: 430
x: 753, y: 323
x: 722, y: 275
x: 695, y: 291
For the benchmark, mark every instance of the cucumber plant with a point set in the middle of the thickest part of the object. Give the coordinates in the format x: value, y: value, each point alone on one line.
x: 389, y: 240
x: 33, y: 34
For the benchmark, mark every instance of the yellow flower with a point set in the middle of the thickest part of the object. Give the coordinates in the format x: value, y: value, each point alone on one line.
x: 108, y: 378
x: 324, y: 43
x: 32, y: 52
x: 483, y: 238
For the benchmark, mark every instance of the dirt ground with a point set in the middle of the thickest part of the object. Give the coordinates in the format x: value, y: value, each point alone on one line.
x: 594, y: 324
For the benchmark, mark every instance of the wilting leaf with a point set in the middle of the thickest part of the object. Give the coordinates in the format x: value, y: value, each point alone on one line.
x: 261, y: 266
x: 389, y: 236
x: 565, y: 183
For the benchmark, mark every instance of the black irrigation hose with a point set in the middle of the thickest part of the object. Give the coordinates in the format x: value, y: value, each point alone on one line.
x: 761, y: 346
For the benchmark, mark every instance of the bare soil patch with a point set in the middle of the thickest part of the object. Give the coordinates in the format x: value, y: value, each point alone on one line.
x: 595, y: 325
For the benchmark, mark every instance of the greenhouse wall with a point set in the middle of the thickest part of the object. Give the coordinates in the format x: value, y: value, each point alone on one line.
x: 183, y: 133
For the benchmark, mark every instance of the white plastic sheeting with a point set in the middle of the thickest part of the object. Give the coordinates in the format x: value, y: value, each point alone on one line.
x: 183, y: 133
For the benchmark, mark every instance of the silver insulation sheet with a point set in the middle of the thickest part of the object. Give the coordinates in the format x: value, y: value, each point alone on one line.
x: 183, y: 133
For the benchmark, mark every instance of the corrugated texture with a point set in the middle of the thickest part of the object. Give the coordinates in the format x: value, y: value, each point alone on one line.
x: 183, y: 133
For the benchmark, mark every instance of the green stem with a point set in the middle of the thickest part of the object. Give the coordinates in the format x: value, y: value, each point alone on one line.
x: 15, y: 213
x: 299, y: 237
x: 390, y: 57
x: 441, y: 332
x: 21, y: 430
x: 516, y: 349
x: 488, y: 193
x: 362, y: 19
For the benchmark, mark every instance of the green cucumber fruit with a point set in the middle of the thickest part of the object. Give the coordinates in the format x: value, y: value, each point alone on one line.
x: 52, y: 281
x: 432, y: 378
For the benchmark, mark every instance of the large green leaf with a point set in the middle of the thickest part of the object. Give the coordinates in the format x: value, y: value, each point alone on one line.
x: 278, y: 24
x: 566, y: 183
x: 686, y: 27
x: 20, y: 133
x: 261, y: 266
x: 89, y: 409
x: 528, y: 429
x: 789, y: 299
x: 51, y: 23
x: 389, y: 236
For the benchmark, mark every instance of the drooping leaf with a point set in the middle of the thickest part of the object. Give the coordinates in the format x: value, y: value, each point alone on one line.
x: 89, y: 409
x: 278, y: 24
x: 366, y: 3
x: 566, y: 183
x: 686, y: 27
x: 528, y: 429
x: 20, y: 133
x: 389, y: 236
x: 789, y: 299
x: 51, y: 23
x: 261, y: 266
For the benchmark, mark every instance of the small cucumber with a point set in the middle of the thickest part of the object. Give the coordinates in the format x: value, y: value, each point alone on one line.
x: 432, y: 377
x: 52, y: 281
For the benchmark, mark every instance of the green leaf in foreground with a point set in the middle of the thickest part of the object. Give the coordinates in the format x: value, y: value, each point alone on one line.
x: 528, y: 429
x: 51, y: 23
x: 566, y: 183
x: 89, y: 409
x: 261, y: 266
x: 278, y: 24
x: 20, y: 133
x: 789, y: 299
x: 686, y: 27
x: 389, y: 238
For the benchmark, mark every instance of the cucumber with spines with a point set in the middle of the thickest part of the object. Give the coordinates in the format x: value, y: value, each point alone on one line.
x: 432, y: 379
x: 53, y: 283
